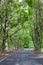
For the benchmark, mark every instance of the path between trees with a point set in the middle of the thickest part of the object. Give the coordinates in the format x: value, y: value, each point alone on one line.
x: 24, y: 57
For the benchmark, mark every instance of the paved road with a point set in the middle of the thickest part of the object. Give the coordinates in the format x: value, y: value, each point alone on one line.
x: 22, y: 58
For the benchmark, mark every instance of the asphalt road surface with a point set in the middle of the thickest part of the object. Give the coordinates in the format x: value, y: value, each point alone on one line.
x: 23, y: 57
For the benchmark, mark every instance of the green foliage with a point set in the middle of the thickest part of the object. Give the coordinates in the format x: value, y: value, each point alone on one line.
x: 17, y: 21
x: 29, y: 2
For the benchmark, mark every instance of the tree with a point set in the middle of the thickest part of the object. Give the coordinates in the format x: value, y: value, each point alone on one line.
x: 6, y: 13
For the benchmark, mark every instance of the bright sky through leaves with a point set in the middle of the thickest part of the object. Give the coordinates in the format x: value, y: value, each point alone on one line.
x: 20, y: 0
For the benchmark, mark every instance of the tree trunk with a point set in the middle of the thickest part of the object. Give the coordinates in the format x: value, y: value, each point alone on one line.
x: 37, y: 29
x: 3, y: 43
x: 4, y: 36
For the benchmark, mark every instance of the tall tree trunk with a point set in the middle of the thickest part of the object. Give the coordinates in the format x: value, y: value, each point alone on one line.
x: 3, y: 42
x: 37, y: 29
x: 4, y: 36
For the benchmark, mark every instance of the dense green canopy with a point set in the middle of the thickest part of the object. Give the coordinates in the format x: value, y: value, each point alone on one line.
x: 21, y: 24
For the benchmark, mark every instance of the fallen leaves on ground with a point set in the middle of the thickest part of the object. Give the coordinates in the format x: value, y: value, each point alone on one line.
x: 5, y: 54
